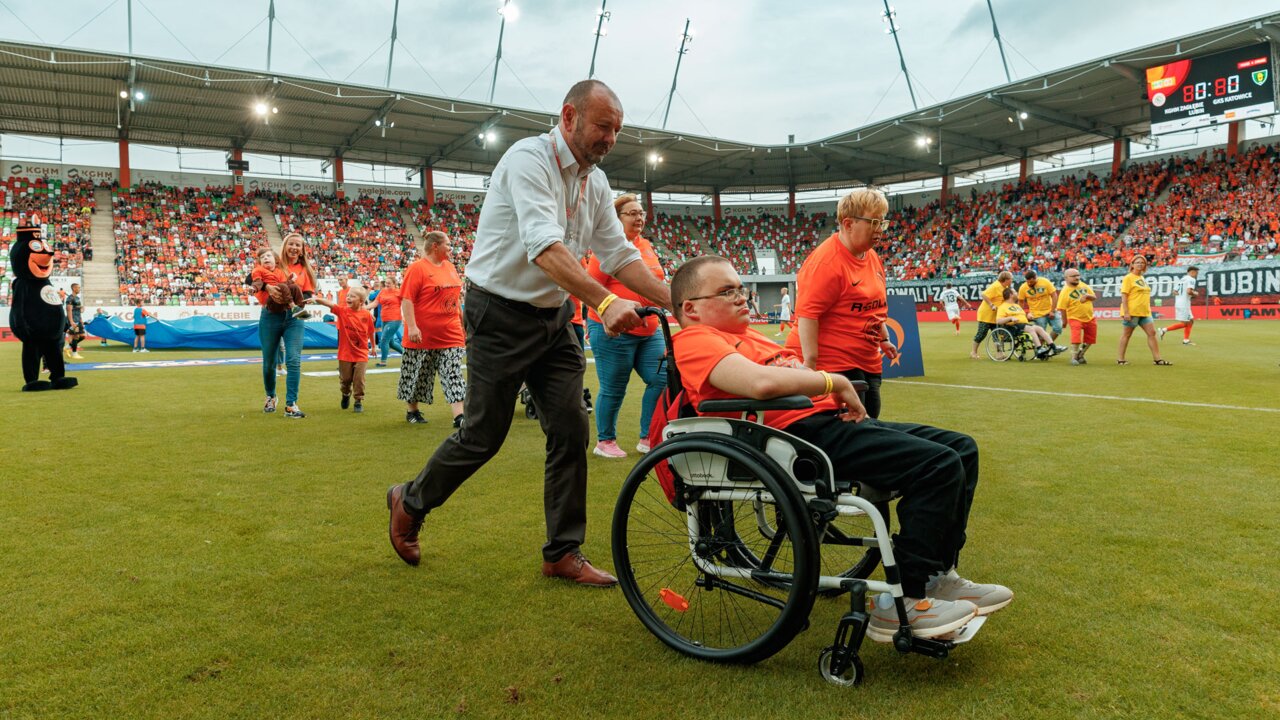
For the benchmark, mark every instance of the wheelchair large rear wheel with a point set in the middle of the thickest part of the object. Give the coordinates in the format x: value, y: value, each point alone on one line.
x: 1000, y: 344
x: 705, y: 580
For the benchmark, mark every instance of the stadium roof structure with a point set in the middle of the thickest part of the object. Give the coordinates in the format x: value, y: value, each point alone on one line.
x: 73, y: 93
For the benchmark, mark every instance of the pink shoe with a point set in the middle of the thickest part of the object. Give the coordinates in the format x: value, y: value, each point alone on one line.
x: 609, y: 449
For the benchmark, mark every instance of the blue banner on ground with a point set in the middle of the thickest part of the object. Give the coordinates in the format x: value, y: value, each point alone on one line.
x: 905, y: 335
x: 204, y: 333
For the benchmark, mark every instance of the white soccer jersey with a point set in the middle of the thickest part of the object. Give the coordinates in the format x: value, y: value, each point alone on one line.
x: 949, y: 296
x: 1181, y: 298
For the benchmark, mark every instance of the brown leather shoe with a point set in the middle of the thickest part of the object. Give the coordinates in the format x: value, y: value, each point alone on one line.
x: 573, y: 566
x: 403, y: 527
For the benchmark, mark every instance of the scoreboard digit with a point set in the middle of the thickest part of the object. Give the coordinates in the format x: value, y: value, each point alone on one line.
x: 1219, y: 88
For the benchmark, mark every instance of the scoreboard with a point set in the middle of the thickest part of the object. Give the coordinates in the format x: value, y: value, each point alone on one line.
x: 1219, y: 88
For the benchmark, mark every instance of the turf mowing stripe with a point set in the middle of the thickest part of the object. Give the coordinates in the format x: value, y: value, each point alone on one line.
x: 1091, y: 397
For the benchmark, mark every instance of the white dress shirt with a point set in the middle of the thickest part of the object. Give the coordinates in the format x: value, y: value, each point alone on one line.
x: 533, y: 202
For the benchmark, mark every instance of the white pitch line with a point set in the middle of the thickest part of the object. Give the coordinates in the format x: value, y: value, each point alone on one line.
x: 1091, y: 397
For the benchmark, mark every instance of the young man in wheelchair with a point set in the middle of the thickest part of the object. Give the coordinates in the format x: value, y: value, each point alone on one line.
x: 1011, y: 315
x: 935, y: 471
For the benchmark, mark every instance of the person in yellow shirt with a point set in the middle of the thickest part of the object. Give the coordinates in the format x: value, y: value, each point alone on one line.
x: 1010, y: 315
x: 1076, y: 302
x: 1040, y: 298
x: 987, y: 306
x: 1135, y: 311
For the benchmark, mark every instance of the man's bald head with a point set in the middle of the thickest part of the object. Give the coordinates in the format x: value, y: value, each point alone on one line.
x: 590, y: 120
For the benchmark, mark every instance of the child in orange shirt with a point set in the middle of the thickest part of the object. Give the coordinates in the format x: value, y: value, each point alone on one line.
x: 355, y: 331
x: 268, y: 272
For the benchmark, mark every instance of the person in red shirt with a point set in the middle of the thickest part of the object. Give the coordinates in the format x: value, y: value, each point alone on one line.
x: 389, y: 304
x: 355, y: 333
x: 268, y: 272
x: 430, y: 302
x: 719, y: 355
x: 640, y: 349
x: 841, y: 303
x: 277, y: 327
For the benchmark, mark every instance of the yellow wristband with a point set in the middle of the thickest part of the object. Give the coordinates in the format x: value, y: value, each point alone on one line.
x: 826, y: 376
x: 604, y: 305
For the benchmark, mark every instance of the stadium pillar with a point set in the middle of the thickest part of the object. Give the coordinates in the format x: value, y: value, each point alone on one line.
x: 791, y: 203
x: 1119, y: 153
x: 1233, y: 139
x: 237, y: 176
x: 648, y: 197
x: 428, y: 186
x: 946, y: 189
x: 1022, y: 170
x: 338, y: 190
x: 715, y: 208
x: 124, y: 164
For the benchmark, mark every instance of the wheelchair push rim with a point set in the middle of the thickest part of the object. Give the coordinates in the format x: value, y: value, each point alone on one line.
x: 707, y: 580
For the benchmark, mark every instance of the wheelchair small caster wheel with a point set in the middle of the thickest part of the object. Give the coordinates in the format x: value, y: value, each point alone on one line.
x: 850, y: 677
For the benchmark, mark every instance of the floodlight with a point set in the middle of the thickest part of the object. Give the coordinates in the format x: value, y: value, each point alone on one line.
x: 124, y: 94
x: 275, y: 110
x: 260, y: 108
x: 137, y: 95
x: 509, y: 11
x: 1022, y: 115
x: 377, y: 123
x: 491, y: 136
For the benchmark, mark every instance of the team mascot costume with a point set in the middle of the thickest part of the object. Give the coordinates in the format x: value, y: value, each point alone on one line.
x: 36, y: 316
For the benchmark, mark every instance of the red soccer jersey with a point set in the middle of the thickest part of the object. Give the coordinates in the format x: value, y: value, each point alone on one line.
x: 615, y: 286
x: 846, y: 295
x: 436, y: 293
x: 389, y: 302
x: 355, y: 328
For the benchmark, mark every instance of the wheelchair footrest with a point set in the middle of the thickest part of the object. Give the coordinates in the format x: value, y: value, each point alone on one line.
x: 966, y: 633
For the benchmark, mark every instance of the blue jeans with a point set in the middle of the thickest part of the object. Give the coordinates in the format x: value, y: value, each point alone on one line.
x: 272, y: 328
x: 390, y: 335
x: 615, y: 358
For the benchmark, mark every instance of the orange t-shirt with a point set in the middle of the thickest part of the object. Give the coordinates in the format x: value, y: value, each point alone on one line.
x: 300, y: 277
x: 436, y: 294
x: 355, y: 327
x: 847, y: 298
x: 577, y: 311
x: 389, y: 303
x: 698, y: 349
x: 615, y: 286
x: 268, y: 277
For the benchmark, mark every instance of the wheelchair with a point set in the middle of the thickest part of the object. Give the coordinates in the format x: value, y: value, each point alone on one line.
x: 1002, y: 345
x: 726, y: 532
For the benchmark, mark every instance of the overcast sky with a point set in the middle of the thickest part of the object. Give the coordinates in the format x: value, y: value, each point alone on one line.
x: 757, y: 70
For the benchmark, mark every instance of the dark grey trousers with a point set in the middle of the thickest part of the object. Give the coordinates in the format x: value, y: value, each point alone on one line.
x: 510, y: 343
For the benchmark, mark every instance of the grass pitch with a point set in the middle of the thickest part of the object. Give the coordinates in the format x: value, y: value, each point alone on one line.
x: 166, y: 550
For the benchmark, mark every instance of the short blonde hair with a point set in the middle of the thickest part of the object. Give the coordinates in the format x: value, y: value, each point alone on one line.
x: 359, y: 292
x: 622, y: 201
x: 433, y: 238
x: 862, y: 202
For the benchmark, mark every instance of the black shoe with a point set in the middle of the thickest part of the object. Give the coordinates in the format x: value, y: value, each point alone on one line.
x: 414, y: 417
x: 359, y: 407
x: 457, y: 422
x: 346, y: 402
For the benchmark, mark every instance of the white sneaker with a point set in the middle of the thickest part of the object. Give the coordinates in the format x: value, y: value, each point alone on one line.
x: 144, y: 350
x: 1187, y: 342
x: 950, y: 586
x: 1160, y: 333
x: 929, y: 618
x: 642, y: 447
x: 77, y: 356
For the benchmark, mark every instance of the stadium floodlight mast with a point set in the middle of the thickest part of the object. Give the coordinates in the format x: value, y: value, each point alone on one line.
x: 391, y: 54
x: 686, y: 37
x: 271, y: 26
x: 510, y: 12
x: 890, y: 16
x: 602, y: 17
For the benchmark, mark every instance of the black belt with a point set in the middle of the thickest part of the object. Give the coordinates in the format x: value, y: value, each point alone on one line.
x: 518, y: 306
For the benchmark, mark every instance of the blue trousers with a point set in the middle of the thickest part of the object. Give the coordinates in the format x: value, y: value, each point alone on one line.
x: 390, y: 338
x: 615, y: 358
x: 272, y: 328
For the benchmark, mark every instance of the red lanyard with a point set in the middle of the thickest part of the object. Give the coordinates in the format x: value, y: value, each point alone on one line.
x: 582, y: 189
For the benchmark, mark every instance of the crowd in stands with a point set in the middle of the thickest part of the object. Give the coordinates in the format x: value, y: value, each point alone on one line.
x: 457, y: 220
x: 66, y: 207
x: 184, y: 245
x: 193, y: 246
x: 361, y: 237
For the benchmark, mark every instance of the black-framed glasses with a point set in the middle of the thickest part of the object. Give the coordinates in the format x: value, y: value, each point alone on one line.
x: 876, y: 223
x: 730, y: 294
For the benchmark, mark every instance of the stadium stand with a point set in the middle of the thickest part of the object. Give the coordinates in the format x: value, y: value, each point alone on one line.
x: 184, y: 245
x: 66, y: 206
x: 362, y: 237
x: 673, y: 239
x: 457, y: 220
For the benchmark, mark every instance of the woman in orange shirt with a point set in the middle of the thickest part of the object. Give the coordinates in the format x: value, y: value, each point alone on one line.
x: 274, y: 327
x: 841, y: 298
x: 389, y: 303
x: 430, y: 301
x: 640, y: 349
